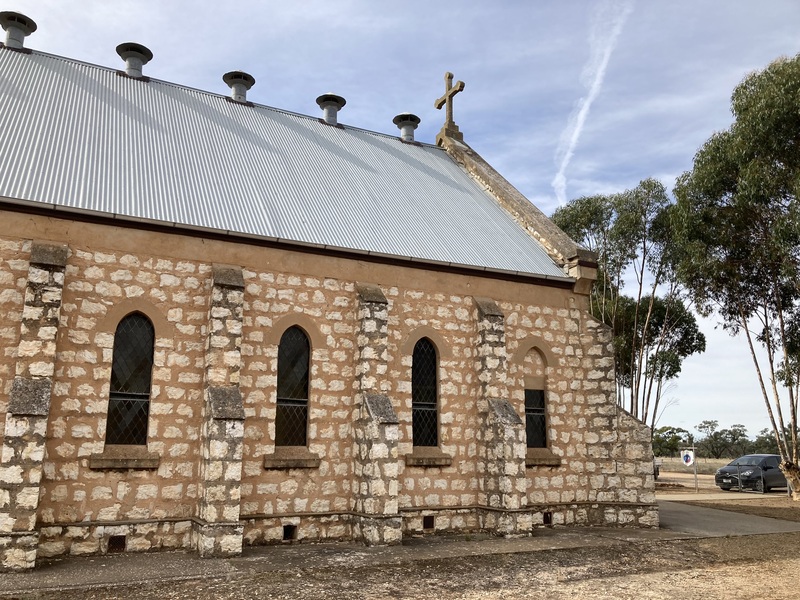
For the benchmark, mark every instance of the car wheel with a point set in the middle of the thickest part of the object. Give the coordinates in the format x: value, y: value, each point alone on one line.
x: 725, y: 489
x: 760, y: 487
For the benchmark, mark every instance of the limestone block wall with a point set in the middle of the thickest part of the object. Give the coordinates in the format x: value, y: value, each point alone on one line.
x: 219, y: 532
x: 14, y: 256
x: 602, y: 475
x: 376, y: 458
x: 101, y: 288
x: 501, y: 431
x: 325, y: 308
x: 25, y: 427
x: 448, y: 321
x: 605, y: 454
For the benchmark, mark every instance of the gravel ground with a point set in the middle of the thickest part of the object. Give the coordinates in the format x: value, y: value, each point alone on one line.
x: 705, y: 569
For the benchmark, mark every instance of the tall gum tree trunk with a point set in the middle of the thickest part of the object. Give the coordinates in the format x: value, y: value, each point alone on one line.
x: 792, y: 473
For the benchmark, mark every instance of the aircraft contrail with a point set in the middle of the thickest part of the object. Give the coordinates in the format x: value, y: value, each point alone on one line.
x: 607, y: 24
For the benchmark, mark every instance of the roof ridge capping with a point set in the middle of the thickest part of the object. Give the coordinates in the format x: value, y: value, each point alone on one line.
x: 577, y: 261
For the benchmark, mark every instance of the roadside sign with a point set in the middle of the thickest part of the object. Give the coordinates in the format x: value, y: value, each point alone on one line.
x: 687, y: 456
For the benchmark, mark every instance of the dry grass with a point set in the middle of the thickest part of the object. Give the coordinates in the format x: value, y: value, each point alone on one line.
x: 706, y: 466
x: 776, y: 505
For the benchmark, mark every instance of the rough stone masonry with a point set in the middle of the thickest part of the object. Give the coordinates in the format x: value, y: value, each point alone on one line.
x: 211, y: 477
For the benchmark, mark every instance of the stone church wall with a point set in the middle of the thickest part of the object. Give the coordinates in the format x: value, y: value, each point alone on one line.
x: 597, y: 468
x: 13, y: 274
x: 102, y: 287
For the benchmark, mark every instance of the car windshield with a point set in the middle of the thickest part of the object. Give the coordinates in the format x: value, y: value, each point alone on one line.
x: 746, y: 461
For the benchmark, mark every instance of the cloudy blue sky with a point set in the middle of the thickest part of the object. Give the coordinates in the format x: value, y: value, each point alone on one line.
x: 564, y: 98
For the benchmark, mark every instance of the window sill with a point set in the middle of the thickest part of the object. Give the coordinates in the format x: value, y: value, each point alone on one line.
x: 428, y: 456
x: 292, y: 457
x: 541, y: 457
x: 124, y: 457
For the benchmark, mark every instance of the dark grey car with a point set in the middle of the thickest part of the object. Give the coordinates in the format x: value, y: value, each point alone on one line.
x: 758, y: 472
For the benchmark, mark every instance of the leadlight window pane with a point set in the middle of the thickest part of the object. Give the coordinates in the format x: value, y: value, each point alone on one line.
x: 291, y: 417
x: 535, y: 424
x: 424, y: 394
x: 131, y: 373
x: 127, y: 419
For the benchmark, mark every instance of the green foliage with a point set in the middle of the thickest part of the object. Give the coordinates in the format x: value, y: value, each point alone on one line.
x: 737, y: 228
x: 718, y: 443
x: 738, y: 442
x: 715, y: 442
x: 668, y: 441
x: 631, y: 232
x: 707, y: 427
x: 587, y: 219
x: 669, y: 336
x: 764, y: 443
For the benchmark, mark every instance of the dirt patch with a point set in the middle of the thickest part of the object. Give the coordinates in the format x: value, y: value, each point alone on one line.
x: 686, y: 569
x: 702, y: 569
x: 768, y: 505
x: 685, y: 480
x: 707, y: 466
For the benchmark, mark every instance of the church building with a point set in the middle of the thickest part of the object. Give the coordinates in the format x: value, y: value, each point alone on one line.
x: 225, y: 324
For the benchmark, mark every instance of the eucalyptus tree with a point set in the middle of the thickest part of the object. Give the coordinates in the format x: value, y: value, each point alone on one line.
x: 659, y: 342
x: 668, y: 440
x: 631, y: 234
x: 737, y: 222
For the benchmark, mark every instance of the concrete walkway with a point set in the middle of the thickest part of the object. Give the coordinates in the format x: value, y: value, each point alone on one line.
x: 699, y: 521
x: 708, y: 494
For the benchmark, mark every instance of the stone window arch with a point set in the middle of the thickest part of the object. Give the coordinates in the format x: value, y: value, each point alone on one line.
x: 534, y: 368
x: 163, y: 328
x: 131, y: 378
x: 425, y: 331
x: 425, y: 393
x: 307, y: 324
x: 294, y: 364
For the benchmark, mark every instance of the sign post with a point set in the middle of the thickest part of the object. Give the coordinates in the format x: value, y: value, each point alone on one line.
x: 687, y: 456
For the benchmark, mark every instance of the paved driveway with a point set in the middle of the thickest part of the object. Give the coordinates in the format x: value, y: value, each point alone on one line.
x: 680, y: 517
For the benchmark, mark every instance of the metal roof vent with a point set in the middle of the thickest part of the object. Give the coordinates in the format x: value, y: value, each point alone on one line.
x: 239, y: 82
x: 17, y: 26
x: 407, y: 123
x: 330, y: 104
x: 135, y: 57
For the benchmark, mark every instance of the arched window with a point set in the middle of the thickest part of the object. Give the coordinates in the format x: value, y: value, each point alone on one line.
x: 131, y: 373
x: 424, y: 394
x: 534, y: 367
x: 291, y: 418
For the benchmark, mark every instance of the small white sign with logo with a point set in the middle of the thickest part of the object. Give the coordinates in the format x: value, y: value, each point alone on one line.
x: 687, y: 456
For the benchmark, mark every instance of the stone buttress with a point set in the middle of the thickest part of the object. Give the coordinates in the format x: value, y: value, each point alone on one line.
x: 376, y: 428
x: 501, y: 433
x: 219, y: 531
x: 23, y: 447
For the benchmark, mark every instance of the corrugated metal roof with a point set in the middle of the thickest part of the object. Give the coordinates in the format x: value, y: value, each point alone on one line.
x: 82, y: 137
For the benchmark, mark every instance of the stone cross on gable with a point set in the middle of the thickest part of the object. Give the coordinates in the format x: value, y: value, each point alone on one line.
x: 449, y: 92
x: 450, y: 129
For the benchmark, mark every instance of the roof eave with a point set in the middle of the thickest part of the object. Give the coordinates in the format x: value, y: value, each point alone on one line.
x: 128, y: 220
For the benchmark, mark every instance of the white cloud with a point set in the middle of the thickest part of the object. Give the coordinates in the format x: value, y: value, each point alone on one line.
x: 606, y: 28
x: 665, y: 91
